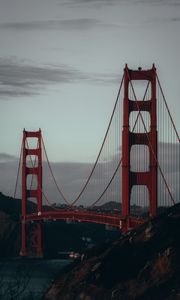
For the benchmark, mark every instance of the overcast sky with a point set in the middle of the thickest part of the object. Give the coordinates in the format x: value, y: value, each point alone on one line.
x: 61, y: 62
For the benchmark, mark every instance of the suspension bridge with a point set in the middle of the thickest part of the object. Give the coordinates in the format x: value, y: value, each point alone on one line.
x: 138, y: 165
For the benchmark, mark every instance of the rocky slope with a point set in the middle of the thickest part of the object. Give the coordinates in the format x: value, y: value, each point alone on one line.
x: 143, y: 264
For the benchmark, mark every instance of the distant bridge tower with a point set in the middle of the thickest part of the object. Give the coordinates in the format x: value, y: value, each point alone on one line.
x: 31, y: 239
x: 129, y: 138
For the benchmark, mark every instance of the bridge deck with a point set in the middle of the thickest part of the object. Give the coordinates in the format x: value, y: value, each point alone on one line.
x: 113, y: 220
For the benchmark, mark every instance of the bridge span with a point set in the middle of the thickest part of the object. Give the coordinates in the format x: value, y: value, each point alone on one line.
x: 139, y: 156
x: 112, y: 220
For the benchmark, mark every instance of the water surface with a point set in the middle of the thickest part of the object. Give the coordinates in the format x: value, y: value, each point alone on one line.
x: 28, y: 279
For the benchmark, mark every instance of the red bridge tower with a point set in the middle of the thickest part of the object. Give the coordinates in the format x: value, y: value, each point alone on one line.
x: 129, y: 138
x: 33, y: 238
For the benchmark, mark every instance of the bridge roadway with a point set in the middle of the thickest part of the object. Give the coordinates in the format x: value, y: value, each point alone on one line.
x: 113, y: 220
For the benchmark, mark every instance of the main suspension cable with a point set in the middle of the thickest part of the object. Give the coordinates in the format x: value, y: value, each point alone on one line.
x: 49, y: 165
x: 112, y: 115
x: 97, y: 159
x: 113, y: 176
x: 106, y: 188
x: 17, y: 177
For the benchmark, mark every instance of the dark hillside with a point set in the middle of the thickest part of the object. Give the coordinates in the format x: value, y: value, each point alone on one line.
x: 143, y: 264
x: 57, y: 236
x: 10, y: 209
x: 10, y: 227
x: 12, y: 206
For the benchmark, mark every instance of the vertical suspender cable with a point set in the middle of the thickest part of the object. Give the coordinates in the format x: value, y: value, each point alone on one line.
x: 17, y: 177
x: 177, y: 135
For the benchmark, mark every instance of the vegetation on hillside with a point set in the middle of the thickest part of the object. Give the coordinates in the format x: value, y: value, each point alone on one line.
x: 143, y: 264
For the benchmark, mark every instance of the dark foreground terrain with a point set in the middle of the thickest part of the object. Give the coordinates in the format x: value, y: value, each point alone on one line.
x: 57, y: 236
x: 143, y: 264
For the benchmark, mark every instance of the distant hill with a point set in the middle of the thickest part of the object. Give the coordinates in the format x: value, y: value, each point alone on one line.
x: 111, y: 205
x: 116, y: 207
x: 143, y: 264
x: 12, y: 206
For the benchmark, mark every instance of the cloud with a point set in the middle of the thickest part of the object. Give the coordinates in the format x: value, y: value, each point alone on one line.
x: 72, y: 176
x: 23, y: 79
x: 102, y: 78
x: 94, y: 2
x: 4, y: 157
x: 155, y: 21
x: 67, y: 24
x: 175, y: 19
x: 81, y: 24
x: 159, y: 2
x: 18, y: 78
x: 129, y: 2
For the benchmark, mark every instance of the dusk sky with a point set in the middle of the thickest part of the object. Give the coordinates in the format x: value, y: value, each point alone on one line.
x: 61, y: 63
